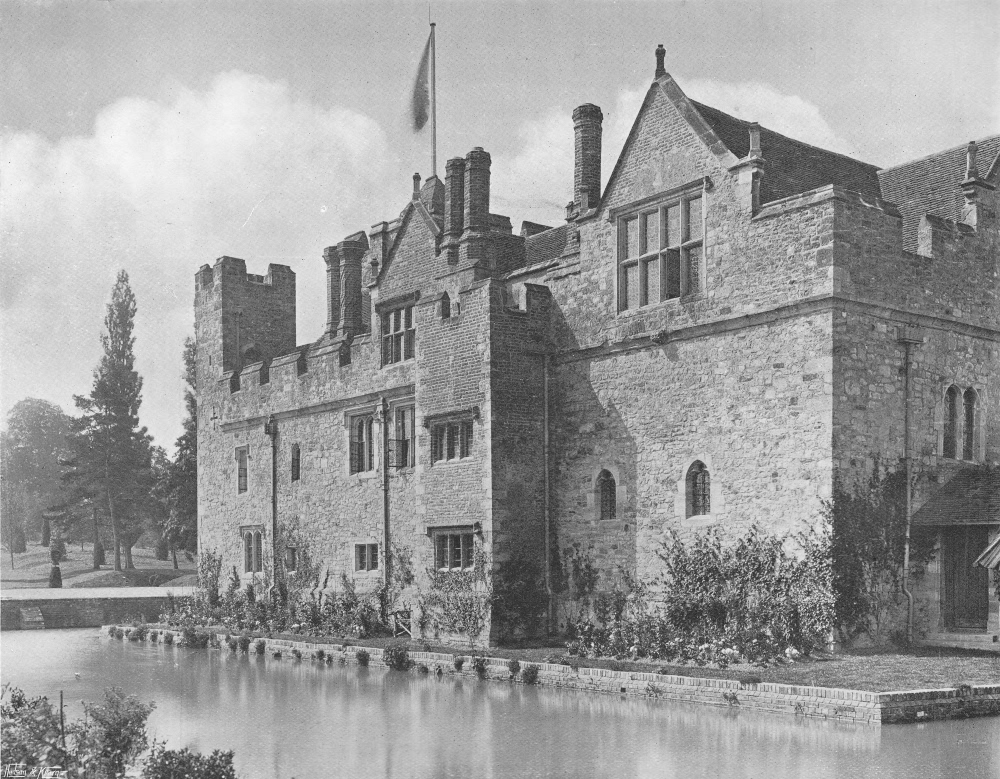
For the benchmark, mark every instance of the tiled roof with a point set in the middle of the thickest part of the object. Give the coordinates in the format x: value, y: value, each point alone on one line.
x: 932, y: 185
x: 791, y: 166
x: 972, y: 497
x: 544, y: 246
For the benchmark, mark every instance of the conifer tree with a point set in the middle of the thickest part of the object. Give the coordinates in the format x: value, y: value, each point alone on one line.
x: 113, y: 451
x: 178, y: 485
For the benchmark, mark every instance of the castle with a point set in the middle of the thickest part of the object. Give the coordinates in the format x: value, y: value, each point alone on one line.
x: 738, y: 321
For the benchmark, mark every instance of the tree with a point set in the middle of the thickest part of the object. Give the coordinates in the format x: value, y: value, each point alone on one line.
x: 112, y: 450
x: 177, y: 483
x: 30, y: 451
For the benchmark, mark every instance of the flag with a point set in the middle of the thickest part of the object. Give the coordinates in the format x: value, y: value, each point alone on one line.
x: 420, y: 106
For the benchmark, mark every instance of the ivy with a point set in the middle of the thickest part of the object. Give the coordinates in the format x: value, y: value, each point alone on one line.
x: 459, y: 602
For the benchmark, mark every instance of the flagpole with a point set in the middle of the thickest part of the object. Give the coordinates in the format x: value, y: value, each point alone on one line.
x: 434, y: 122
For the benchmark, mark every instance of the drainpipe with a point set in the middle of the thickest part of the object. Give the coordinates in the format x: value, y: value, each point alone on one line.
x: 908, y: 338
x: 271, y: 429
x: 550, y: 612
x: 387, y: 567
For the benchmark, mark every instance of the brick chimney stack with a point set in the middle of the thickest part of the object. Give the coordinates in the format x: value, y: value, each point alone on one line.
x: 477, y: 191
x: 587, y: 127
x: 343, y: 276
x: 332, y: 259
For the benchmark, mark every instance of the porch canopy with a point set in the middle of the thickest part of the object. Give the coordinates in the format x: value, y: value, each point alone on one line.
x: 972, y: 497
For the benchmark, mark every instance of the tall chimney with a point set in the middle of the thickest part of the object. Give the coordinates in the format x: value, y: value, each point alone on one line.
x: 454, y: 197
x: 477, y: 191
x: 351, y: 251
x: 332, y: 259
x: 587, y: 120
x: 661, y: 54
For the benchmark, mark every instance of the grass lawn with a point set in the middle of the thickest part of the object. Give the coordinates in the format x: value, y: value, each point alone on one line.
x: 31, y: 569
x: 880, y: 670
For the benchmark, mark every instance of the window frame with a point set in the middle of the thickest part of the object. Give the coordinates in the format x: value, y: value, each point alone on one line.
x: 242, y: 457
x: 361, y: 443
x: 446, y: 543
x: 296, y: 466
x: 252, y: 545
x: 366, y: 557
x: 970, y: 420
x: 952, y: 439
x: 399, y: 334
x: 452, y: 440
x: 403, y: 442
x: 607, y: 496
x: 677, y: 266
x: 698, y: 490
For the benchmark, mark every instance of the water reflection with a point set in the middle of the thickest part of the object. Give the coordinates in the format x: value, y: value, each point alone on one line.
x: 288, y: 718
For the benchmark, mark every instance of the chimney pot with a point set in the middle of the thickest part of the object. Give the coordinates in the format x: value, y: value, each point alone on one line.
x: 416, y: 186
x: 970, y: 161
x: 754, y: 139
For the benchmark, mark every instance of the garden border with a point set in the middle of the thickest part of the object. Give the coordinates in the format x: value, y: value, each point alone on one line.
x: 858, y: 706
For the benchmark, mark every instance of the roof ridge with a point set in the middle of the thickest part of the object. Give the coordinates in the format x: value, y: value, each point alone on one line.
x: 843, y: 156
x: 931, y: 156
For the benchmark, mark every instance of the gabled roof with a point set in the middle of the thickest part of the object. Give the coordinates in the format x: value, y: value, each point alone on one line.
x: 791, y: 166
x: 931, y: 185
x: 544, y: 246
x: 972, y: 497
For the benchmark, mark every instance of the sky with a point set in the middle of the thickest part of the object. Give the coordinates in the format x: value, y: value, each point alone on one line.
x: 155, y: 136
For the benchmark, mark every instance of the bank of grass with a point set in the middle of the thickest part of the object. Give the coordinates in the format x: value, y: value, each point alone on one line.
x: 31, y: 569
x: 872, y: 670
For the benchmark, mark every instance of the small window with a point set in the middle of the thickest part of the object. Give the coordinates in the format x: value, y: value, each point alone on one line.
x: 969, y: 437
x: 291, y: 559
x: 345, y: 355
x: 398, y: 335
x: 366, y: 557
x: 252, y: 551
x: 362, y: 443
x: 296, y: 462
x: 402, y: 448
x: 607, y: 494
x: 660, y: 253
x: 451, y: 440
x: 951, y: 419
x: 445, y: 306
x: 698, y: 490
x: 454, y: 551
x: 242, y: 463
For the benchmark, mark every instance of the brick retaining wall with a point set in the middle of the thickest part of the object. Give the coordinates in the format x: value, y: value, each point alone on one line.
x: 858, y: 706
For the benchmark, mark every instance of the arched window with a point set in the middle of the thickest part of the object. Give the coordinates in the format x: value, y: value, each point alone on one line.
x: 699, y: 490
x: 951, y: 402
x: 607, y: 492
x: 445, y: 306
x: 257, y: 561
x: 296, y: 462
x: 969, y: 439
x: 248, y: 552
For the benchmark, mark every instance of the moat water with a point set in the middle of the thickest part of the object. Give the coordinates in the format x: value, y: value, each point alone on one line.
x: 287, y: 719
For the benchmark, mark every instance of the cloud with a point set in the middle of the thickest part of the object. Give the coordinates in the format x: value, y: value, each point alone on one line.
x: 161, y: 187
x: 537, y: 181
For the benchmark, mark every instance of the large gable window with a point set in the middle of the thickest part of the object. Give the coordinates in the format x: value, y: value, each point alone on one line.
x: 398, y: 335
x: 660, y: 251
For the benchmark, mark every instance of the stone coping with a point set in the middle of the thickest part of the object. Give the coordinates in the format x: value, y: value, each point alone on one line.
x: 88, y: 593
x: 858, y: 706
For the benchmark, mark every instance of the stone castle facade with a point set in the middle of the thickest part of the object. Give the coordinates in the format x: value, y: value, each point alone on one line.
x: 714, y: 340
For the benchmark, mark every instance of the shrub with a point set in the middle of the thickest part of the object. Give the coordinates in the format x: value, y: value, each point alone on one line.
x: 458, y: 661
x: 116, y: 632
x: 320, y: 655
x: 423, y: 669
x: 168, y: 638
x: 529, y: 675
x: 197, y: 639
x: 362, y: 657
x: 243, y: 644
x: 55, y: 577
x: 479, y: 666
x: 297, y: 654
x: 259, y: 646
x: 276, y: 654
x: 231, y: 643
x: 513, y: 666
x: 57, y: 550
x: 154, y: 635
x: 111, y: 735
x: 165, y: 763
x: 397, y: 657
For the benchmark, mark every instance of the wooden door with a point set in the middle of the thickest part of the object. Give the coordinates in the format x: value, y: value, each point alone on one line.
x: 966, y: 585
